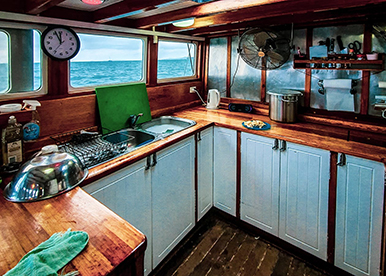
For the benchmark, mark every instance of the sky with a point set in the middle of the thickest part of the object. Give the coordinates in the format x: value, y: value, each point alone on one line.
x: 103, y: 48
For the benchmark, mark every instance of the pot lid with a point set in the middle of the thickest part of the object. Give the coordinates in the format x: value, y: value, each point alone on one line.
x: 285, y: 92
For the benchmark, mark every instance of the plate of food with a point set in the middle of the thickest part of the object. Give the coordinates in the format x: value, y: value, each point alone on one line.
x: 256, y: 125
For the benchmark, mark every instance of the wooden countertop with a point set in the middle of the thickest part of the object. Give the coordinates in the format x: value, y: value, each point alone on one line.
x: 325, y: 137
x: 113, y: 243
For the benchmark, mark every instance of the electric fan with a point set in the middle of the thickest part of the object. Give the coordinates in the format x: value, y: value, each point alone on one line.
x: 263, y: 49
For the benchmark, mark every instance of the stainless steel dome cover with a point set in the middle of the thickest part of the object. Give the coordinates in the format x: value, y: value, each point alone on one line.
x: 46, y: 175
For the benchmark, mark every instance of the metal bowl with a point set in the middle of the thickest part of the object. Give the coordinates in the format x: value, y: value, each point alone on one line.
x: 48, y: 174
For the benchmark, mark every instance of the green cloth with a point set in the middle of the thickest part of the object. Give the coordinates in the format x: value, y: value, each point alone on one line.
x: 50, y: 256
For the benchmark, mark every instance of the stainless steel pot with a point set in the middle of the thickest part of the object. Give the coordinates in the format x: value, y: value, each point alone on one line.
x: 283, y: 105
x: 46, y: 175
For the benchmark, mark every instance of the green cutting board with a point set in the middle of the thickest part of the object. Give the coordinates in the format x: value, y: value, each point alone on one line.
x: 116, y: 103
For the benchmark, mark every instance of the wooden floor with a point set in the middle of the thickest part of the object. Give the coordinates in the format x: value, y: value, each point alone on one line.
x: 221, y: 249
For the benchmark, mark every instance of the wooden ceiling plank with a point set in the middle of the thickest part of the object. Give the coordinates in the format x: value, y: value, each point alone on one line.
x: 251, y: 14
x: 121, y: 9
x: 264, y: 9
x: 340, y: 15
x: 69, y: 14
x: 38, y: 6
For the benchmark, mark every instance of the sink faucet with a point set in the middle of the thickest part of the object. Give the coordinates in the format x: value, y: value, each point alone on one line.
x: 133, y: 120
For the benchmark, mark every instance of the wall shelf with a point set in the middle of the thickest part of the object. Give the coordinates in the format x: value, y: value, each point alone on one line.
x: 364, y: 65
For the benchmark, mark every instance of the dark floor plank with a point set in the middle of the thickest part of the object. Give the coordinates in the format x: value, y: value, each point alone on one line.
x: 283, y: 264
x: 227, y: 254
x: 210, y: 259
x: 269, y: 262
x: 234, y: 265
x: 297, y: 268
x: 254, y: 259
x: 200, y: 250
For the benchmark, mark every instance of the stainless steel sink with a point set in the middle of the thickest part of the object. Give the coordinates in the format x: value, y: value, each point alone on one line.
x: 130, y: 137
x: 166, y: 125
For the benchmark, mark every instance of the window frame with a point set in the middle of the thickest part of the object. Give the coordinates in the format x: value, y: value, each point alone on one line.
x: 74, y: 90
x: 196, y: 62
x: 43, y: 90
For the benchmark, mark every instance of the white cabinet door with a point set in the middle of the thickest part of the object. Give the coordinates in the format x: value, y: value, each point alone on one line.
x: 173, y: 197
x: 304, y: 198
x: 360, y: 190
x: 204, y: 171
x: 128, y: 193
x: 260, y: 182
x: 225, y: 156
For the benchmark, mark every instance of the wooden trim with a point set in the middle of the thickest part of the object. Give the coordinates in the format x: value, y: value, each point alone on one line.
x: 58, y: 77
x: 238, y: 175
x: 332, y: 208
x: 307, y: 88
x: 206, y: 71
x: 263, y: 85
x: 152, y: 61
x: 229, y: 63
x: 365, y: 95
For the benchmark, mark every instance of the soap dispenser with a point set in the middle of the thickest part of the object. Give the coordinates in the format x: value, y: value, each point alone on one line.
x: 31, y: 130
x: 11, y: 141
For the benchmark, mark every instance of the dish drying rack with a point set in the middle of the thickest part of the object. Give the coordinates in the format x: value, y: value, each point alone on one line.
x: 90, y: 147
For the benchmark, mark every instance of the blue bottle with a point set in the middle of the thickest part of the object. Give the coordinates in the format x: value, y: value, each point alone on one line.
x: 31, y: 130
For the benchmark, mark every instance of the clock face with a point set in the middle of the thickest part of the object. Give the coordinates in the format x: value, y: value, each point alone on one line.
x: 60, y: 43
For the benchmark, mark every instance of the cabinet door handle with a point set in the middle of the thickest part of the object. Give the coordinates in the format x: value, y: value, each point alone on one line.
x: 342, y: 160
x: 283, y: 145
x: 275, y: 144
x: 147, y: 163
x: 199, y: 136
x: 154, y: 160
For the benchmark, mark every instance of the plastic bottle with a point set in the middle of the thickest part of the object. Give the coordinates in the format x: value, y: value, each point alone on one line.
x: 11, y: 140
x: 31, y: 130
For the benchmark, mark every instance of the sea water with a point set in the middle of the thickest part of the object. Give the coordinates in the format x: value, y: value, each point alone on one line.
x: 94, y: 73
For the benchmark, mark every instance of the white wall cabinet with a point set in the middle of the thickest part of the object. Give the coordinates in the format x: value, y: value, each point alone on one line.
x: 284, y: 191
x: 360, y: 191
x: 128, y: 193
x: 156, y: 199
x: 204, y: 171
x: 224, y: 169
x: 173, y: 197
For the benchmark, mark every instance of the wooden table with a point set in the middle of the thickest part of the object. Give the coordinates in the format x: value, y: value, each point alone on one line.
x: 115, y: 247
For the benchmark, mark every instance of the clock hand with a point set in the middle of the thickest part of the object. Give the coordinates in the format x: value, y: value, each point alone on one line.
x: 56, y: 34
x: 60, y: 37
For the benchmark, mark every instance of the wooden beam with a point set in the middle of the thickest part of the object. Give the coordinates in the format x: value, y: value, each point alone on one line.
x: 219, y: 15
x: 69, y: 14
x: 38, y: 6
x: 339, y: 15
x: 122, y: 9
x: 213, y: 7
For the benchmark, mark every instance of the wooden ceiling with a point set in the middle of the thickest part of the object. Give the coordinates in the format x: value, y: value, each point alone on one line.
x: 211, y: 17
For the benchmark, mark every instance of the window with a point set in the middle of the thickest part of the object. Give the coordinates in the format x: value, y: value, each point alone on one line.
x: 20, y: 60
x: 176, y: 60
x: 106, y: 59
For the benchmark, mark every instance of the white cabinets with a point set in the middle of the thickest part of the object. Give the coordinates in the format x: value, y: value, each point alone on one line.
x: 156, y: 195
x: 284, y: 191
x: 204, y: 171
x: 360, y: 191
x: 304, y: 183
x: 260, y: 179
x: 224, y: 169
x: 128, y: 193
x: 173, y: 197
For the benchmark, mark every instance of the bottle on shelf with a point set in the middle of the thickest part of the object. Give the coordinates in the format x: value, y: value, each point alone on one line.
x: 11, y: 140
x: 31, y: 130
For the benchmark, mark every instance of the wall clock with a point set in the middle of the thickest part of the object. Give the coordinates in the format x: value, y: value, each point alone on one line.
x: 60, y: 43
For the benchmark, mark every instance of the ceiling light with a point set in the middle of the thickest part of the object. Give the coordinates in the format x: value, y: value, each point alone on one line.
x: 93, y: 2
x: 184, y: 23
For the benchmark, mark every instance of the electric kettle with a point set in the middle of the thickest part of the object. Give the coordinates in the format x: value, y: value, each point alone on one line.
x: 213, y: 99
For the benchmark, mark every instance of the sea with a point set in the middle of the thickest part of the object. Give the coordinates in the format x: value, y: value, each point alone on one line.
x: 95, y: 73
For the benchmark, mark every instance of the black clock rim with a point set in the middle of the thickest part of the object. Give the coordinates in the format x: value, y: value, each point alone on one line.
x: 61, y: 27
